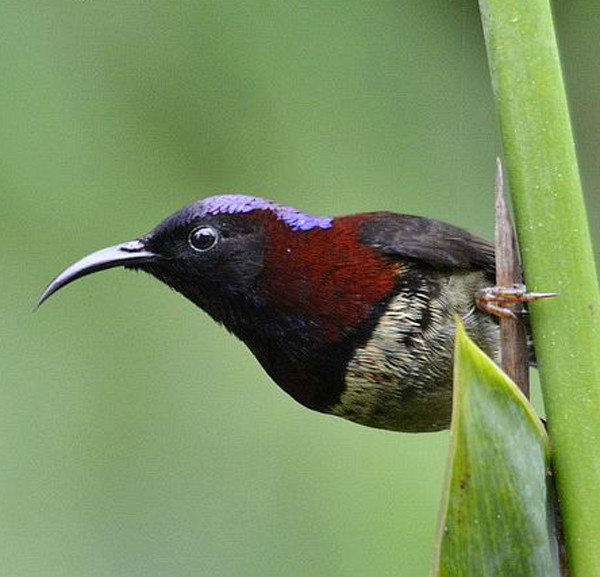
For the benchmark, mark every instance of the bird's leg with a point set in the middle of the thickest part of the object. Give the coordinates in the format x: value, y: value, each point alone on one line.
x: 496, y: 300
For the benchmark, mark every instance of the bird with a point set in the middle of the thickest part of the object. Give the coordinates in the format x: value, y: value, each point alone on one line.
x: 353, y: 316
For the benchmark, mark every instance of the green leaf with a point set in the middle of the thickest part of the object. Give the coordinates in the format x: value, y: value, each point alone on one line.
x: 496, y: 516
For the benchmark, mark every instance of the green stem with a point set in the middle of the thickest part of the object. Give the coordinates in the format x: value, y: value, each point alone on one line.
x: 557, y: 254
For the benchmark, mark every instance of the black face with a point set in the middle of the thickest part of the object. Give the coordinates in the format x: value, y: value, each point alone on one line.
x: 206, y: 257
x: 212, y: 259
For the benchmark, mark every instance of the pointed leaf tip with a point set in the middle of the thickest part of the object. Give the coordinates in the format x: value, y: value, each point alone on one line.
x: 496, y: 517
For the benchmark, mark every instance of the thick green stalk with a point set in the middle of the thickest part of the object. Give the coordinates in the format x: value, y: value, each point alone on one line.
x: 557, y: 254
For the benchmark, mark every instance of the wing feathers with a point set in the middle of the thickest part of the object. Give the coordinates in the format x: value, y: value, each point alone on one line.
x: 432, y: 242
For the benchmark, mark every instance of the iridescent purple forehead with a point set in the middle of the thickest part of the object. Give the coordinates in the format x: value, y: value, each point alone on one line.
x: 240, y: 203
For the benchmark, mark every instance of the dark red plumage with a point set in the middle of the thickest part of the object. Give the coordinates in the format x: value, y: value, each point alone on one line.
x: 325, y: 274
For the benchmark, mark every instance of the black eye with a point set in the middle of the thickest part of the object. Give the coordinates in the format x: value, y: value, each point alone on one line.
x: 203, y: 238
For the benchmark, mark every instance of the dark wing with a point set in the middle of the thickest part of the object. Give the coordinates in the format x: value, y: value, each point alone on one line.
x: 435, y: 243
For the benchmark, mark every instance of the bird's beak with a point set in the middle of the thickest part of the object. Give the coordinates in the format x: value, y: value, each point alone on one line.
x: 127, y: 253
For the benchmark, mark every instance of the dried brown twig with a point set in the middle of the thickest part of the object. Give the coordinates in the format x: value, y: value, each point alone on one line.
x: 513, y: 332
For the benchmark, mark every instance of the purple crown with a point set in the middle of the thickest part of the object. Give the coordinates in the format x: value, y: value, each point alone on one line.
x: 239, y: 203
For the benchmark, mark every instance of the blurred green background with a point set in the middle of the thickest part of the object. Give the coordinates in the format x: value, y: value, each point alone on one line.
x: 136, y: 437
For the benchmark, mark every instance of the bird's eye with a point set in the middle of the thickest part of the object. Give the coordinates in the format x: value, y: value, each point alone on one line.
x: 203, y: 238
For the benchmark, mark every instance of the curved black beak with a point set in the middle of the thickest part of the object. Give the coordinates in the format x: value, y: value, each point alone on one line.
x: 127, y: 253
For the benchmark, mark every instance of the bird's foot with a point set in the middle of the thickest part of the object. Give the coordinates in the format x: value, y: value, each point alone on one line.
x: 497, y: 300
